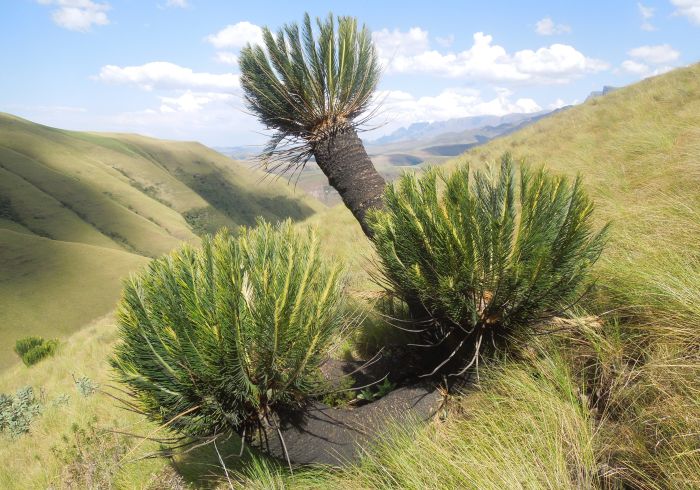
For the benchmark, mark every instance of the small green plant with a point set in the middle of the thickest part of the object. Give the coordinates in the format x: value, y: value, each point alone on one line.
x: 17, y: 412
x: 217, y: 339
x: 90, y: 456
x: 339, y: 395
x: 85, y: 386
x: 33, y: 349
x: 490, y: 254
x: 382, y: 389
x: 61, y: 400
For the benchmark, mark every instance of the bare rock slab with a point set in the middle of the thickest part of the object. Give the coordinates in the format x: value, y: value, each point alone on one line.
x: 334, y: 436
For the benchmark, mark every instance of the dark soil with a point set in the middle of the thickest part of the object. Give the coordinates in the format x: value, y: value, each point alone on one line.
x: 320, y: 434
x: 334, y: 436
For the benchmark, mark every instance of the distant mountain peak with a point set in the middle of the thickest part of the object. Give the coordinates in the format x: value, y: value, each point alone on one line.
x: 599, y: 93
x: 427, y: 130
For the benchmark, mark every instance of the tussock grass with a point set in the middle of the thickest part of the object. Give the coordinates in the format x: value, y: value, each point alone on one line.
x: 33, y: 349
x: 526, y: 427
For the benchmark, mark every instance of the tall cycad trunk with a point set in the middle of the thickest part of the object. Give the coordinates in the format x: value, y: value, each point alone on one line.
x: 343, y: 159
x: 314, y: 88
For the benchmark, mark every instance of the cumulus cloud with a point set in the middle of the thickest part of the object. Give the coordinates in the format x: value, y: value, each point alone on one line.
x: 559, y: 103
x: 660, y: 70
x: 643, y: 70
x: 689, y: 9
x: 660, y: 53
x: 210, y: 117
x: 78, y: 15
x: 446, y: 41
x: 398, y: 43
x: 635, y: 67
x: 235, y: 36
x: 227, y: 58
x: 177, y: 3
x: 558, y: 63
x: 165, y: 75
x: 190, y: 101
x: 547, y: 27
x: 399, y: 108
x: 647, y: 14
x: 53, y: 109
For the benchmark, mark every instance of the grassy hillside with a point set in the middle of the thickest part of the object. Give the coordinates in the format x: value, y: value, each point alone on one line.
x: 638, y: 150
x: 78, y: 211
x: 607, y: 401
x: 49, y: 287
x: 610, y: 401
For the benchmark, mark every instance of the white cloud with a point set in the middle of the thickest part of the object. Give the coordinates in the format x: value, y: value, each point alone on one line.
x: 165, y: 75
x: 661, y: 70
x: 631, y: 66
x: 446, y: 41
x: 547, y: 27
x: 53, y: 109
x: 559, y: 103
x: 660, y: 53
x: 214, y: 118
x: 689, y: 9
x: 647, y: 14
x: 400, y: 108
x: 227, y: 58
x: 191, y: 101
x: 177, y: 3
x: 397, y: 43
x: 78, y: 15
x: 558, y: 63
x: 643, y: 70
x: 235, y: 36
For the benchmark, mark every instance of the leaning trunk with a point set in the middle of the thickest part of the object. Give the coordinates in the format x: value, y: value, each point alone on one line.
x: 343, y: 159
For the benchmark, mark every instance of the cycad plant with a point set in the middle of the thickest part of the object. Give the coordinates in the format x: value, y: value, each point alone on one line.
x: 313, y: 89
x: 478, y: 256
x: 216, y: 340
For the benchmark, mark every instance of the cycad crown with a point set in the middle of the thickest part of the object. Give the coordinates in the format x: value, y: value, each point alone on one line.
x: 307, y: 88
x: 474, y: 262
x: 312, y: 92
x: 215, y: 340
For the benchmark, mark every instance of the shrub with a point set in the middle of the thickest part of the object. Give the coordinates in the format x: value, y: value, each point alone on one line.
x: 218, y: 339
x: 17, y: 412
x: 477, y: 265
x: 33, y: 349
x: 85, y: 386
x: 90, y: 456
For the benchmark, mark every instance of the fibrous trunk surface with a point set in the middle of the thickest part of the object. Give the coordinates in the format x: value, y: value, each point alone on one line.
x: 343, y: 159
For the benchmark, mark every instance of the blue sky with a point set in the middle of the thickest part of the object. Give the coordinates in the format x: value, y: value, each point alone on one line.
x: 167, y: 68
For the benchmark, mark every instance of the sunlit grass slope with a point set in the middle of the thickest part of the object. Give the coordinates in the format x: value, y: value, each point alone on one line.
x: 79, y: 211
x: 638, y: 150
x: 50, y: 287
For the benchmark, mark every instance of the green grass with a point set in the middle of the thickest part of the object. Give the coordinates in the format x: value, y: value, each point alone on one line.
x: 607, y: 402
x: 51, y: 288
x: 79, y: 211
